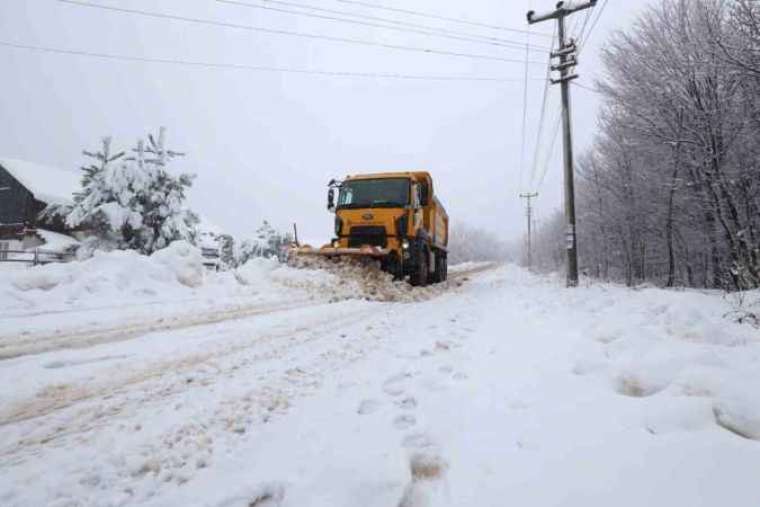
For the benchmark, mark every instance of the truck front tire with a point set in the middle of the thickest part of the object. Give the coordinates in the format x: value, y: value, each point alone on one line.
x: 392, y: 264
x: 420, y: 272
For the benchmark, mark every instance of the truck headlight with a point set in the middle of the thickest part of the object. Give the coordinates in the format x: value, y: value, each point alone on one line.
x: 405, y: 244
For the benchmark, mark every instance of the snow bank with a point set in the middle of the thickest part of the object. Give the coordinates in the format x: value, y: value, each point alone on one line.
x: 184, y: 261
x: 680, y: 346
x: 121, y: 277
x: 177, y: 272
x: 118, y: 276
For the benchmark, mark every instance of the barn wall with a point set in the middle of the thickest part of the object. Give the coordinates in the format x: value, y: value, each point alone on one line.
x: 17, y: 204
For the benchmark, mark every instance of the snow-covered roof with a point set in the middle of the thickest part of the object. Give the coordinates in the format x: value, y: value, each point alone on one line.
x: 48, y: 184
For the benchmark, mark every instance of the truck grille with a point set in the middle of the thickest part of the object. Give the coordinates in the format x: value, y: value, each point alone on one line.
x: 367, y: 235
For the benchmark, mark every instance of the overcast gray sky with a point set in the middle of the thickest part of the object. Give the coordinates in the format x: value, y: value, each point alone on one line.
x: 264, y: 144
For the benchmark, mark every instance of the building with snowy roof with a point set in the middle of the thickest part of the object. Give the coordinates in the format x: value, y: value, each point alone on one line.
x: 26, y: 189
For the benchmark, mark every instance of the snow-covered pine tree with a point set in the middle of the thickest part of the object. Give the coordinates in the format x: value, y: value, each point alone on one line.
x: 161, y: 197
x: 91, y: 183
x: 136, y: 203
x: 227, y: 253
x: 105, y: 205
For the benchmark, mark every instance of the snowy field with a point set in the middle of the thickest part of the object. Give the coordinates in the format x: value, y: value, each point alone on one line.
x: 135, y: 381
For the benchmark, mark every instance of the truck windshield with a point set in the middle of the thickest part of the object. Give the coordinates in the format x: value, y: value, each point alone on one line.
x: 389, y: 192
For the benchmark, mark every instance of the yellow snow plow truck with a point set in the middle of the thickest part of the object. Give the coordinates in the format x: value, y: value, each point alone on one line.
x: 395, y: 218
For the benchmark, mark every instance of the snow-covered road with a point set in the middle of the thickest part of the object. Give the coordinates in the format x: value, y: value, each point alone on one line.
x: 506, y: 390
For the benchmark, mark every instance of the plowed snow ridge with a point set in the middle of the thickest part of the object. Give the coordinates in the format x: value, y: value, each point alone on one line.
x: 348, y: 280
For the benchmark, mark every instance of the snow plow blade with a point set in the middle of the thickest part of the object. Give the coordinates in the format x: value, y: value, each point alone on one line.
x: 329, y: 251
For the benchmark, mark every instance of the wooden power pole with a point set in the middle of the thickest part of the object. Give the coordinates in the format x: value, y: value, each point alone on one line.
x: 528, y: 198
x: 567, y: 55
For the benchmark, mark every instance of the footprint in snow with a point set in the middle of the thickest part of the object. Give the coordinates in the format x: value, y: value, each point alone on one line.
x: 266, y: 495
x: 418, y: 441
x: 395, y: 385
x: 404, y: 422
x: 443, y: 345
x: 408, y: 403
x: 428, y: 473
x: 446, y: 369
x: 368, y: 407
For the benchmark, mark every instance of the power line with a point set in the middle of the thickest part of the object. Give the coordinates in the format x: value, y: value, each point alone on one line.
x: 577, y: 29
x: 397, y: 25
x: 262, y: 68
x: 542, y: 118
x: 523, y: 130
x: 159, y: 15
x: 588, y: 88
x: 586, y: 19
x: 552, y: 145
x: 593, y: 25
x: 436, y: 16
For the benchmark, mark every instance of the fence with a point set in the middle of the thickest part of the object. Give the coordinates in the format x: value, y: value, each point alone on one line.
x: 34, y: 257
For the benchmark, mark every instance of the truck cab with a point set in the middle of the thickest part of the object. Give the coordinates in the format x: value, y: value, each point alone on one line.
x: 395, y: 217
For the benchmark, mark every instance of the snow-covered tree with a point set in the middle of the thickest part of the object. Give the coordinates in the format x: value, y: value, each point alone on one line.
x: 468, y: 243
x: 227, y: 251
x: 268, y: 242
x: 134, y: 201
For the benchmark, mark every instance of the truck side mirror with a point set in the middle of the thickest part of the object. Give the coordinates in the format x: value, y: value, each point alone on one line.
x: 416, y: 197
x: 331, y: 199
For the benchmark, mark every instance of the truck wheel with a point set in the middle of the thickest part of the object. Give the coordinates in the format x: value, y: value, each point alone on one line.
x: 441, y: 268
x: 435, y: 276
x: 445, y: 267
x: 392, y: 265
x: 419, y: 277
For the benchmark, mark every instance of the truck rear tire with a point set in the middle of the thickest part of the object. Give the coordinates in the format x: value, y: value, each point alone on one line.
x: 441, y: 269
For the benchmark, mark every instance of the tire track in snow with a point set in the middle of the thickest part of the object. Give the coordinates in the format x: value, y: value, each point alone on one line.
x: 30, y: 344
x: 55, y: 398
x: 297, y: 374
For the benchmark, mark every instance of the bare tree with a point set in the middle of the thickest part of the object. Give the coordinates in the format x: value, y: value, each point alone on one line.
x: 670, y: 191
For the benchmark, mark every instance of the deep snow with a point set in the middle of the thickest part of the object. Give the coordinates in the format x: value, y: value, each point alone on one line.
x: 501, y: 389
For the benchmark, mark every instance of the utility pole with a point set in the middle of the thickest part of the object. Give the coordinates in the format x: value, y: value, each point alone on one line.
x: 567, y: 54
x: 528, y: 198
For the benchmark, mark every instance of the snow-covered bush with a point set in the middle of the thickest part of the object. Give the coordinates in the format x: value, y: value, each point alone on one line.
x: 267, y: 243
x: 133, y: 202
